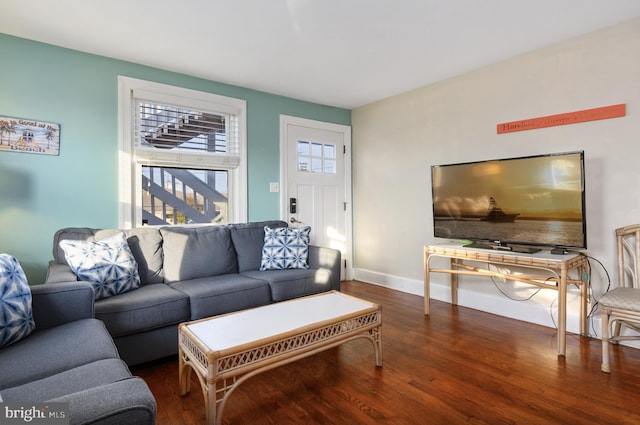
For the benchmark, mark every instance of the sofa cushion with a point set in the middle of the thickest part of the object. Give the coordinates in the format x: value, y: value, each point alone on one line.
x: 146, y: 246
x: 69, y: 381
x: 48, y: 352
x: 293, y: 283
x: 149, y: 307
x: 194, y: 252
x: 108, y: 264
x: 143, y: 347
x: 248, y: 239
x: 127, y: 401
x: 223, y: 294
x: 16, y: 317
x: 285, y: 248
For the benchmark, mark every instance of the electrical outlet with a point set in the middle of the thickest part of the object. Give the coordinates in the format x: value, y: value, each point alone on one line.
x: 274, y: 187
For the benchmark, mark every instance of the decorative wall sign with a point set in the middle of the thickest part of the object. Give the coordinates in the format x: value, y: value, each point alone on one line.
x: 29, y: 136
x: 613, y: 111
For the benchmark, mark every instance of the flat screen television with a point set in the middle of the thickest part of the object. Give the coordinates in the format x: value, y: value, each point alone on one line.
x: 518, y: 204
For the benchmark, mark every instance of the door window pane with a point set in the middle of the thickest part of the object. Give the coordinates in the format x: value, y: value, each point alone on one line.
x: 316, y: 149
x: 303, y: 164
x: 329, y: 151
x: 303, y: 148
x: 329, y: 166
x: 316, y: 165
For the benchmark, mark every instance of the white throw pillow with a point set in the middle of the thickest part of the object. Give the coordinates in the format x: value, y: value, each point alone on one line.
x: 16, y: 317
x: 108, y: 264
x: 285, y: 248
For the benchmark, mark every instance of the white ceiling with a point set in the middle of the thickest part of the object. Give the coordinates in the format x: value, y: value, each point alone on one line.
x: 344, y: 53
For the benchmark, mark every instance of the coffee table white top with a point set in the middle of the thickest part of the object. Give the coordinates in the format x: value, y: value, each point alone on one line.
x: 231, y: 330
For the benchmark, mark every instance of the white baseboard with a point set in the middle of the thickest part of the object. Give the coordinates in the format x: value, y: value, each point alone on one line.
x: 496, y: 304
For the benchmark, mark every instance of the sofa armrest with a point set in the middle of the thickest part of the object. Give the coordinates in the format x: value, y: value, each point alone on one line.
x: 55, y: 304
x: 326, y: 258
x: 125, y: 402
x: 57, y: 272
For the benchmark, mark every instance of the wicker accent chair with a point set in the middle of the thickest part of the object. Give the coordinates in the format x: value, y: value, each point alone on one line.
x: 620, y: 307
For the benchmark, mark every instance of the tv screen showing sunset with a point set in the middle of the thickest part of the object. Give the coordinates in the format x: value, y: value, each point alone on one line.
x: 547, y: 188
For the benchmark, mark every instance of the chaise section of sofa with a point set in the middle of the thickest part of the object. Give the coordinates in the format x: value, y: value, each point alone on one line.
x: 191, y: 272
x: 70, y: 357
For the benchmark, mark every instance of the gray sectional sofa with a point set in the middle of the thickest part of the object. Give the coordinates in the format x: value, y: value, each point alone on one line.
x: 189, y: 273
x: 71, y: 358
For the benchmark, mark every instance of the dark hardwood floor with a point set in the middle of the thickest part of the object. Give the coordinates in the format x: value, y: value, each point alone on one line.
x: 455, y: 366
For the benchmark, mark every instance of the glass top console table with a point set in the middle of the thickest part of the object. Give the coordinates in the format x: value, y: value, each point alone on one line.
x: 558, y: 265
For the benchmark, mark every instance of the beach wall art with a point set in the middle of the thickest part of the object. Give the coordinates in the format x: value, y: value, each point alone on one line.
x: 29, y: 136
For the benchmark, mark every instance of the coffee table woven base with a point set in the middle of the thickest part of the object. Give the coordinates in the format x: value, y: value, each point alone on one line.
x: 222, y: 370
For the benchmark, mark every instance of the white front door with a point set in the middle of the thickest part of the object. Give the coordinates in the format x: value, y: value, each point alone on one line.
x: 315, y: 169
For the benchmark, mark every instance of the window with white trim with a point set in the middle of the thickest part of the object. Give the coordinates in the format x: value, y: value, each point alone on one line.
x: 182, y: 156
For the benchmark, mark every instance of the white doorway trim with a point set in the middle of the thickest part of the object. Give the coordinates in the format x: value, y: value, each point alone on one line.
x: 286, y: 120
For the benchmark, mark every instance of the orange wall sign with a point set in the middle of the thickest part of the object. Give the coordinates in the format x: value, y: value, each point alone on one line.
x: 613, y: 111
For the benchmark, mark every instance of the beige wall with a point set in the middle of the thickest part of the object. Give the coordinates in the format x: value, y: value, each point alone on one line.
x: 396, y: 140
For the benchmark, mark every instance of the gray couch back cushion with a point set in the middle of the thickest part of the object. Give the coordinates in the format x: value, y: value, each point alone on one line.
x: 146, y: 246
x: 193, y: 252
x: 69, y: 233
x: 248, y: 239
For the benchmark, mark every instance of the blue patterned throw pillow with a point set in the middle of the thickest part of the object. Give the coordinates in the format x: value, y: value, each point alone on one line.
x: 108, y: 264
x: 16, y: 318
x: 285, y: 248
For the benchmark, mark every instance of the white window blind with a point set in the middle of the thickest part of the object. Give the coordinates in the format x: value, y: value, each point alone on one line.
x: 167, y: 134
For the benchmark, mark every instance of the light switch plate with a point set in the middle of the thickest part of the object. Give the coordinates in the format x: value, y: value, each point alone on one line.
x: 274, y: 187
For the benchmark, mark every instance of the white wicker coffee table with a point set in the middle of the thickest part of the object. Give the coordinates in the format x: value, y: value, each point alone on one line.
x: 226, y: 350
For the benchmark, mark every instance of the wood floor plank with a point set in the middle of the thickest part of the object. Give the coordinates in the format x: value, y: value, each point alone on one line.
x: 457, y: 365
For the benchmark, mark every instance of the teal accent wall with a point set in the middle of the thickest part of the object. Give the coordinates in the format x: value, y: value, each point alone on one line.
x: 40, y: 194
